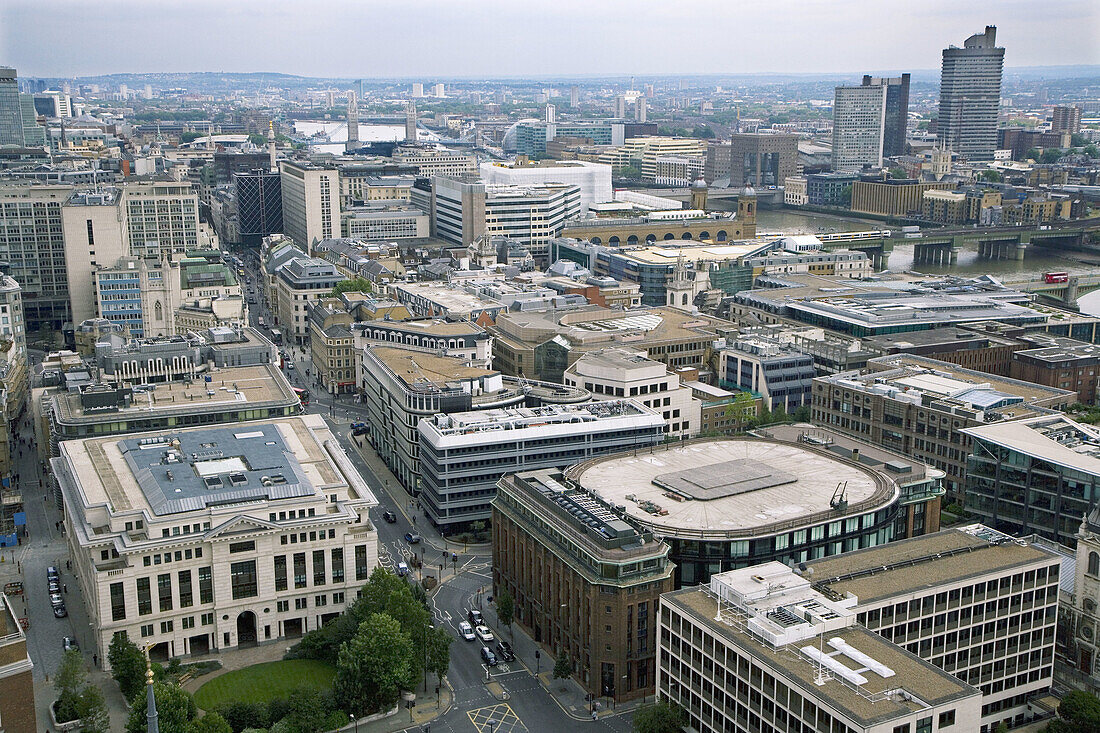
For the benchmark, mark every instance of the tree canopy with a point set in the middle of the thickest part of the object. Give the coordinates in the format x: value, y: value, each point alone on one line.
x: 659, y: 717
x: 353, y: 285
x: 374, y: 666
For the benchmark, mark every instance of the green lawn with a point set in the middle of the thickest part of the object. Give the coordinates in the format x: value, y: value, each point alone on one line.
x: 263, y: 682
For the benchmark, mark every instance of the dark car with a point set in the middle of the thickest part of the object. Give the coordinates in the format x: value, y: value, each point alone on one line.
x: 488, y: 657
x: 412, y: 539
x: 389, y: 517
x: 504, y: 651
x: 474, y: 617
x: 59, y: 611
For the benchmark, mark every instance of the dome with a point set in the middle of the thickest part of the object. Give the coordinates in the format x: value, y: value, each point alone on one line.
x: 699, y: 182
x: 748, y: 191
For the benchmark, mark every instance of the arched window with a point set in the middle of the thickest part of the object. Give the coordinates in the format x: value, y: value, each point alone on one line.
x: 669, y: 236
x: 722, y: 235
x: 595, y: 240
x: 158, y: 311
x: 632, y: 239
x: 687, y: 235
x: 684, y: 299
x: 704, y: 235
x: 1094, y: 563
x: 651, y: 238
x: 613, y: 240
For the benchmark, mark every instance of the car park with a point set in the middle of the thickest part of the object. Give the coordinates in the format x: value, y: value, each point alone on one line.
x: 488, y: 657
x: 466, y: 631
x: 504, y: 651
x: 484, y: 633
x: 389, y: 517
x: 412, y: 538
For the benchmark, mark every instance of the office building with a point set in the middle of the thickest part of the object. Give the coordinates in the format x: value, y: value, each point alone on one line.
x: 17, y: 708
x: 219, y: 525
x: 259, y: 204
x: 33, y: 245
x: 459, y: 339
x: 96, y: 235
x: 34, y: 134
x: 584, y: 581
x: 724, y: 503
x: 970, y: 96
x: 1033, y: 476
x: 11, y: 111
x: 1058, y: 362
x: 903, y: 197
x: 439, y: 90
x: 458, y: 209
x: 403, y: 385
x: 299, y: 282
x: 430, y: 162
x: 311, y: 203
x: 761, y: 649
x: 780, y: 374
x: 79, y: 407
x: 529, y: 137
x: 593, y: 179
x: 1066, y: 119
x: 161, y: 218
x: 464, y: 454
x: 830, y: 189
x: 758, y: 160
x: 13, y: 325
x: 859, y: 122
x: 384, y: 222
x: 232, y: 161
x: 542, y: 344
x: 921, y: 407
x: 530, y: 216
x: 622, y: 372
x: 417, y: 89
x: 897, y: 112
x: 972, y: 601
x: 642, y: 152
x: 444, y: 300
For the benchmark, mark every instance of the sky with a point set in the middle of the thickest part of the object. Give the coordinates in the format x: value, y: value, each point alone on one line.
x: 536, y: 38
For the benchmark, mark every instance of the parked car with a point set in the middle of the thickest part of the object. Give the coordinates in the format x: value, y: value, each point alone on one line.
x: 412, y: 538
x: 402, y: 569
x: 504, y: 651
x: 474, y: 617
x: 466, y: 631
x: 68, y: 643
x: 51, y: 572
x: 389, y: 517
x: 488, y: 657
x: 484, y: 633
x: 59, y: 611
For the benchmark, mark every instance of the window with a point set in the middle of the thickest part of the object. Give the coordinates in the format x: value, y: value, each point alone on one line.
x: 118, y: 602
x: 280, y: 572
x: 249, y: 546
x: 947, y: 719
x: 362, y: 570
x: 188, y: 622
x: 186, y: 598
x: 299, y: 570
x: 206, y: 586
x: 1094, y: 563
x: 147, y: 630
x: 318, y: 567
x: 166, y: 627
x: 338, y: 565
x: 145, y: 599
x: 207, y: 619
x: 282, y: 606
x: 243, y: 579
x: 901, y: 728
x: 924, y: 725
x: 164, y: 591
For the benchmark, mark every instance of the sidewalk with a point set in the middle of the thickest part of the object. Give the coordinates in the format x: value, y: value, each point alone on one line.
x: 573, y: 699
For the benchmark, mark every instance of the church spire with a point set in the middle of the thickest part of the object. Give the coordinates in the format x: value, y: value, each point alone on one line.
x: 152, y: 722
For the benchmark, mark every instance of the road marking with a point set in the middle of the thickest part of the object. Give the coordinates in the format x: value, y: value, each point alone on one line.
x: 505, y: 719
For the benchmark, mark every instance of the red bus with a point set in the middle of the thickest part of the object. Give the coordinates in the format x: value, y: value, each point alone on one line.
x: 1056, y: 277
x: 303, y: 396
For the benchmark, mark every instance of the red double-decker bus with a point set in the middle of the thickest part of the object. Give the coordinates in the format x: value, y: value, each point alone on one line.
x: 1055, y: 277
x: 303, y: 396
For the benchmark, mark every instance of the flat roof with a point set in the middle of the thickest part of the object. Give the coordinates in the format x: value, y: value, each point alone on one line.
x: 705, y: 251
x: 414, y: 367
x: 230, y: 388
x: 903, y: 468
x: 867, y: 704
x: 1052, y: 438
x: 922, y: 564
x: 432, y: 326
x: 132, y: 472
x: 740, y: 487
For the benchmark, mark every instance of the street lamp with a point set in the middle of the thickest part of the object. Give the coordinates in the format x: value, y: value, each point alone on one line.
x: 492, y: 724
x: 356, y: 721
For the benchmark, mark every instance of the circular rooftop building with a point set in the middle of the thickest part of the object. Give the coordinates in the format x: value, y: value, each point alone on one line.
x: 727, y: 503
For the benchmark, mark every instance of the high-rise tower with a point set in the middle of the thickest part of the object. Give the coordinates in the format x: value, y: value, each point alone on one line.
x: 410, y: 122
x: 353, y: 123
x: 11, y: 116
x: 970, y: 95
x: 897, y: 112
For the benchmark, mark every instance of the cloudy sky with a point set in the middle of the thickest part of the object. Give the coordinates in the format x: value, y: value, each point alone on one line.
x: 480, y: 38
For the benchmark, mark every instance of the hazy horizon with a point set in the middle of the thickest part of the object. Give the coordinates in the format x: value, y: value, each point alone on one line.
x: 502, y: 39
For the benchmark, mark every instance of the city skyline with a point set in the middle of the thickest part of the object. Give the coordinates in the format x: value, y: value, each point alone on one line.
x: 533, y: 40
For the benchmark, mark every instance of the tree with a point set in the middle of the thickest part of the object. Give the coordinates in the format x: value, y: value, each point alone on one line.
x: 69, y: 683
x: 506, y: 608
x: 439, y: 652
x: 127, y: 665
x: 630, y: 172
x: 175, y: 709
x: 1078, y: 140
x: 1091, y: 150
x: 1051, y: 155
x: 241, y: 715
x: 1081, y: 711
x: 91, y: 709
x: 659, y: 717
x: 846, y: 196
x: 374, y: 667
x: 898, y: 172
x: 1032, y: 154
x: 188, y: 137
x: 209, y: 723
x: 563, y: 666
x: 309, y: 711
x: 354, y: 285
x: 991, y: 175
